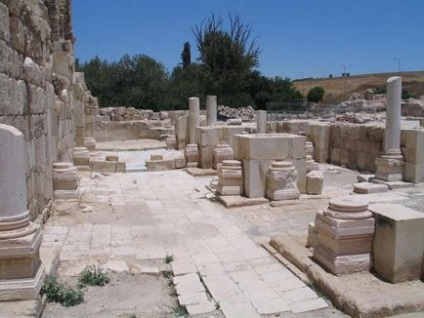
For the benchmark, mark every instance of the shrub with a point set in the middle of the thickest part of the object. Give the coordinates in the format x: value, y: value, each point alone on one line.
x: 59, y: 292
x: 316, y: 94
x: 92, y: 276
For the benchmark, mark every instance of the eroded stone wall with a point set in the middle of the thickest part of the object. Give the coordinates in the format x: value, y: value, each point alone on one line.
x: 36, y: 69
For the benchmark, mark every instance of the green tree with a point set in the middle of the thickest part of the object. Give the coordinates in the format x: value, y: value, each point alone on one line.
x: 186, y: 55
x: 228, y: 57
x: 316, y: 94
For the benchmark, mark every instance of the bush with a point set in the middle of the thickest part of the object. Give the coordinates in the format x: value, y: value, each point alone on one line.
x: 59, y: 292
x: 92, y: 276
x: 316, y: 94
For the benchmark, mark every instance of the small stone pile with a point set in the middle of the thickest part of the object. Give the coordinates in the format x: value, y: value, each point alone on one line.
x: 246, y: 114
x: 358, y: 118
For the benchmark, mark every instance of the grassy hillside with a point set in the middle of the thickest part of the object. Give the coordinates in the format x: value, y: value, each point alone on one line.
x: 335, y: 87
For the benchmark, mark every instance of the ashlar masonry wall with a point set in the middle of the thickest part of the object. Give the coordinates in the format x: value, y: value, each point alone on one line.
x: 356, y: 146
x: 36, y: 76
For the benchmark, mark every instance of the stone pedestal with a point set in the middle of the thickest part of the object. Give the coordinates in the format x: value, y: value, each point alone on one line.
x: 21, y: 271
x: 311, y: 164
x: 211, y: 110
x: 65, y: 181
x: 261, y: 122
x: 258, y: 151
x: 230, y: 178
x: 81, y: 156
x: 194, y: 118
x: 90, y: 143
x: 391, y: 165
x: 282, y: 181
x: 171, y: 142
x: 220, y: 153
x: 191, y: 152
x: 314, y: 182
x: 344, y: 234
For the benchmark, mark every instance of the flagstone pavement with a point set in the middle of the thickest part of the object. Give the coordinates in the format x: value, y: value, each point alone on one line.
x: 133, y: 220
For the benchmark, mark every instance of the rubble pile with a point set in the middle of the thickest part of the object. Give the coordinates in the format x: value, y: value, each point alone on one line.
x: 246, y: 114
x: 130, y: 113
x: 358, y: 118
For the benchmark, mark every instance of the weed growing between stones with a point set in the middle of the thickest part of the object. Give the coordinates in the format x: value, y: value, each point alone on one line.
x: 92, y: 276
x: 169, y: 259
x: 62, y: 293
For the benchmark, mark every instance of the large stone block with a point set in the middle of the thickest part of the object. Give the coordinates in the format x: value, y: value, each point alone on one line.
x: 208, y: 139
x: 254, y: 173
x: 265, y: 146
x: 414, y: 172
x: 4, y: 23
x: 413, y: 138
x: 298, y: 147
x: 398, y: 247
x: 414, y: 155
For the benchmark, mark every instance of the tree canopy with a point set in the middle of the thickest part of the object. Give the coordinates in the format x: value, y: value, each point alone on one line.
x: 226, y: 67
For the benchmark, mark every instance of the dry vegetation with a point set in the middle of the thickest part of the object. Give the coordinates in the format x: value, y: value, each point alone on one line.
x: 335, y: 87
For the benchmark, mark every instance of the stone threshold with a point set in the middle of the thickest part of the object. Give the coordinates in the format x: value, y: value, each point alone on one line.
x: 359, y: 294
x: 236, y: 201
x: 198, y: 172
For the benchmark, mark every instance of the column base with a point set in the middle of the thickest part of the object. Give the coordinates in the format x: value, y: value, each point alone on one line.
x: 390, y: 168
x: 23, y: 288
x: 21, y: 271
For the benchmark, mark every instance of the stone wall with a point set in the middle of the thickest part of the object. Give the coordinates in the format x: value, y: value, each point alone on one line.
x: 356, y: 146
x: 36, y: 76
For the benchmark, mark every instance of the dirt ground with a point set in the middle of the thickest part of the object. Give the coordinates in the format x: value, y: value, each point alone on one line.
x: 145, y: 295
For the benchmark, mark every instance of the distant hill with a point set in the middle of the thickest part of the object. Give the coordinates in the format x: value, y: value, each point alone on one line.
x: 334, y: 87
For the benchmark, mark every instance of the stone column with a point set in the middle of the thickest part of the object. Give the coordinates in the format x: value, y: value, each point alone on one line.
x: 393, y: 117
x: 194, y: 113
x: 261, y: 120
x: 391, y: 166
x: 21, y: 271
x: 211, y: 110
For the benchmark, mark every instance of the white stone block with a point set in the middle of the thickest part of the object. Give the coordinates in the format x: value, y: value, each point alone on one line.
x: 314, y: 182
x: 398, y: 247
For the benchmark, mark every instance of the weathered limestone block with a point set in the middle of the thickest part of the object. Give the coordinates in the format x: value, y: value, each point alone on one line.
x: 120, y: 166
x: 90, y: 143
x: 314, y: 182
x: 192, y: 154
x: 182, y: 131
x: 309, y: 148
x: 311, y: 164
x: 81, y: 156
x: 234, y: 121
x: 220, y: 153
x: 194, y: 109
x: 113, y: 158
x: 97, y: 165
x: 254, y: 176
x: 65, y: 176
x: 319, y: 134
x: 414, y: 172
x: 180, y: 160
x: 160, y: 164
x: 282, y: 181
x: 344, y: 234
x: 398, y: 247
x: 230, y: 178
x: 171, y: 142
x: 368, y: 187
x: 209, y: 137
x: 21, y: 271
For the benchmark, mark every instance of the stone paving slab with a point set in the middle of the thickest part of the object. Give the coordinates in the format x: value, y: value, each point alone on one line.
x: 139, y: 218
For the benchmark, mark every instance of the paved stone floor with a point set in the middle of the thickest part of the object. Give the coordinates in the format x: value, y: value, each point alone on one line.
x: 141, y: 217
x: 132, y: 221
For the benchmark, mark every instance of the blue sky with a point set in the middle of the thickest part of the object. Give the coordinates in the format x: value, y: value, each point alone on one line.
x: 298, y: 38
